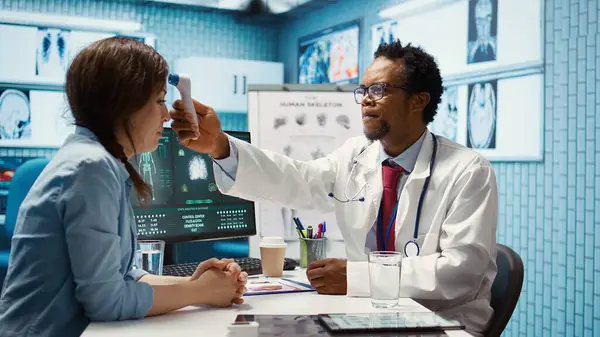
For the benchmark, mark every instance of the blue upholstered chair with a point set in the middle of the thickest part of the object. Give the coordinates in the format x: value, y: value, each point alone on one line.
x: 20, y: 184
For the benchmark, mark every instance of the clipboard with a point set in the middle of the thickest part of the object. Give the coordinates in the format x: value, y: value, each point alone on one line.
x: 270, y: 286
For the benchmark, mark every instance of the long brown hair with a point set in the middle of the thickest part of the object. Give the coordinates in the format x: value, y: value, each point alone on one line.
x: 106, y: 83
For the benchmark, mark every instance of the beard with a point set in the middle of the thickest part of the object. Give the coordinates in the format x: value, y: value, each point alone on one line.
x: 379, y: 133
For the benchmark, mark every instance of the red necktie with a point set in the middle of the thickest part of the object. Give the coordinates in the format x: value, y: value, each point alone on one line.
x: 391, y: 175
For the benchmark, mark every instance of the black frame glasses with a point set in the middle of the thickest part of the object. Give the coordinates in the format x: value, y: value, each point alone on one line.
x: 376, y: 91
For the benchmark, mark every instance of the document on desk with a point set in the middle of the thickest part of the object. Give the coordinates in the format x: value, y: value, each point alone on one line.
x: 268, y: 286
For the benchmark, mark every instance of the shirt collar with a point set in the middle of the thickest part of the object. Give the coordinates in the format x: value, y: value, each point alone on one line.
x: 406, y: 159
x: 89, y: 134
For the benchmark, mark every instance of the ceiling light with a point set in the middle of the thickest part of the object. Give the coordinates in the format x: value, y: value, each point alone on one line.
x: 72, y: 22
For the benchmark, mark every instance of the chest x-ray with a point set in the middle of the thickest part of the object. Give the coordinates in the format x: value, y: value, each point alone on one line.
x: 52, y: 52
x: 481, y: 118
x: 15, y: 115
x: 483, y: 27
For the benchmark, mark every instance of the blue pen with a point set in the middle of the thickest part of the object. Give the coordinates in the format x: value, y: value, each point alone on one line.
x: 299, y: 227
x: 300, y: 223
x: 324, y: 227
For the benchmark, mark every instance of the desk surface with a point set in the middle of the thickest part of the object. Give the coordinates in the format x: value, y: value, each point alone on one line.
x: 214, y: 321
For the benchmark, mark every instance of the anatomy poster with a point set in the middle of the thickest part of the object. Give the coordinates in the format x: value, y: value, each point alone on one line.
x: 303, y: 126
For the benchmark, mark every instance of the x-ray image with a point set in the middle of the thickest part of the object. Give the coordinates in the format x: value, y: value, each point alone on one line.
x: 385, y: 32
x: 322, y: 119
x: 197, y: 168
x: 483, y: 28
x: 148, y: 169
x: 280, y: 121
x: 15, y: 114
x: 52, y: 52
x: 481, y: 117
x: 344, y: 121
x: 446, y: 120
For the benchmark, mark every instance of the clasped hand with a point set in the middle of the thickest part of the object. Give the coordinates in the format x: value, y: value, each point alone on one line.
x: 226, y: 281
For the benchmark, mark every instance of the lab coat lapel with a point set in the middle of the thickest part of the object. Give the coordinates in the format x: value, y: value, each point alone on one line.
x: 369, y: 173
x: 409, y: 197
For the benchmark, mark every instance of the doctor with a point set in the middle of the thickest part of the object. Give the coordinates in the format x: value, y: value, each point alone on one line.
x: 376, y: 185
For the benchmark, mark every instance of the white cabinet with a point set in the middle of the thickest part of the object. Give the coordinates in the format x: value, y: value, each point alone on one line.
x: 223, y: 83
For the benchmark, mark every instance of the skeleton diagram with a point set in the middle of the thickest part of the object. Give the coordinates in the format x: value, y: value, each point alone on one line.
x: 147, y: 164
x: 484, y: 48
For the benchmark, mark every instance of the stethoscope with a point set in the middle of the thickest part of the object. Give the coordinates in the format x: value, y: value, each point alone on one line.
x: 411, y: 248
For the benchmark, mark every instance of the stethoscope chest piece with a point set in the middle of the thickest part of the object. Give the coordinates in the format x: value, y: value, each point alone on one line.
x: 411, y: 248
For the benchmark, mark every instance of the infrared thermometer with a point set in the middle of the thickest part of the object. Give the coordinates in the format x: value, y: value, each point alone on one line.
x: 184, y: 85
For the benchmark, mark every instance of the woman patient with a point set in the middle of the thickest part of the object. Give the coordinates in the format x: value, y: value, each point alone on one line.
x: 73, y: 247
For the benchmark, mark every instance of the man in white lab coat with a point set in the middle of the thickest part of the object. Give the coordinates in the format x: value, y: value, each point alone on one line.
x: 368, y: 177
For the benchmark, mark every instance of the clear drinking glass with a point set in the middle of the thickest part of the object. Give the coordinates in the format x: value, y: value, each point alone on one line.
x: 384, y: 278
x: 149, y: 256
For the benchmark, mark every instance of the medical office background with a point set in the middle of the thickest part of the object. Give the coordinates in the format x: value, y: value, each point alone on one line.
x: 533, y: 80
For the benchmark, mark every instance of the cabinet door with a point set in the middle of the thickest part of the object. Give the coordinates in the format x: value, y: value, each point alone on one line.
x: 212, y: 83
x: 253, y: 72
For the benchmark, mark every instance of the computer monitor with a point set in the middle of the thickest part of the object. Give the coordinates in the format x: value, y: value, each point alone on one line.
x: 186, y: 203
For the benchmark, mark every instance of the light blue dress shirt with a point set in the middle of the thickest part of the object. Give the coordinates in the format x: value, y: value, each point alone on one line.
x: 227, y: 167
x: 73, y: 247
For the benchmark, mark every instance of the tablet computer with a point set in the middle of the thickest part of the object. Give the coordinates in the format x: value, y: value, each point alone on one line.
x: 388, y: 322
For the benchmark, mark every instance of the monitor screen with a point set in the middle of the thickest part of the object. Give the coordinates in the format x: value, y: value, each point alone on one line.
x: 330, y: 56
x: 186, y: 204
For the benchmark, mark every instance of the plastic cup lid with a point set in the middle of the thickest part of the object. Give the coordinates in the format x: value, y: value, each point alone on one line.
x: 272, y: 242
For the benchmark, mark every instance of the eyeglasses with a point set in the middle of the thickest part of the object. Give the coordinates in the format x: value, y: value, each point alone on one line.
x: 376, y: 91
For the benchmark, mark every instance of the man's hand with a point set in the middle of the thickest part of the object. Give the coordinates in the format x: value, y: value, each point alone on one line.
x: 207, y: 136
x: 229, y: 267
x: 328, y: 276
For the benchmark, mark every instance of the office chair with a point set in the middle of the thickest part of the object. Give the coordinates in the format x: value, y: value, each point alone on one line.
x: 506, y: 289
x: 24, y: 177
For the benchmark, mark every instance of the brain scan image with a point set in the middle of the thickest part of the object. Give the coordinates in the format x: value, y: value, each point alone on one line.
x: 481, y: 117
x: 15, y: 115
x: 197, y: 169
x: 52, y: 52
x: 445, y: 122
x: 482, y: 45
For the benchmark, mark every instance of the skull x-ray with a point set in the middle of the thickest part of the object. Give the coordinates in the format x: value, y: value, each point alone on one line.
x: 445, y: 122
x: 481, y: 117
x: 52, y: 52
x: 483, y: 28
x: 15, y: 114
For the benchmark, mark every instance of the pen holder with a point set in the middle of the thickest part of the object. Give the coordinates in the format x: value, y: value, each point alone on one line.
x: 312, y: 250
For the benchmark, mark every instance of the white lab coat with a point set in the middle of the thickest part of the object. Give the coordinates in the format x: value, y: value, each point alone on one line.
x: 457, y: 231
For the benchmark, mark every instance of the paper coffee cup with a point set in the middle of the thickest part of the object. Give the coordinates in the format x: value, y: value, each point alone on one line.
x: 272, y: 255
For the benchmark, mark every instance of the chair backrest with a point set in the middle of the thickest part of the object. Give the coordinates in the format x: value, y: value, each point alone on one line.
x: 24, y: 177
x: 506, y: 289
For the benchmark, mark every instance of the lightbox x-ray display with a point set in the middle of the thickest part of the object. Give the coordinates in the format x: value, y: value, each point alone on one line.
x: 15, y: 114
x: 52, y: 52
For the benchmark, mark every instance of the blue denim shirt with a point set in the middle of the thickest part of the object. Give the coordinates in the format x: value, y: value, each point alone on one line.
x: 73, y: 247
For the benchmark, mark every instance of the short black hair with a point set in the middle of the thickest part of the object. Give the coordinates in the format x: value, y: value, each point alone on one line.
x: 421, y: 72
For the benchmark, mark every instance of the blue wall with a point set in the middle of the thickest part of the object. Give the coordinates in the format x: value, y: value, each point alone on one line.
x: 550, y: 211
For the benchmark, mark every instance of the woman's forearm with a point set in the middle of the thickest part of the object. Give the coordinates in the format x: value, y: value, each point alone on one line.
x: 172, y: 297
x: 156, y: 280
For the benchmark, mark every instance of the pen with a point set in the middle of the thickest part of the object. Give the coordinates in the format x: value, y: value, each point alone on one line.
x: 319, y: 231
x: 309, y: 232
x: 324, y: 228
x: 299, y: 223
x: 299, y: 228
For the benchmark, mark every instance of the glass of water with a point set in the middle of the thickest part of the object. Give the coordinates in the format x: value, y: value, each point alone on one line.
x: 149, y: 256
x: 384, y: 278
